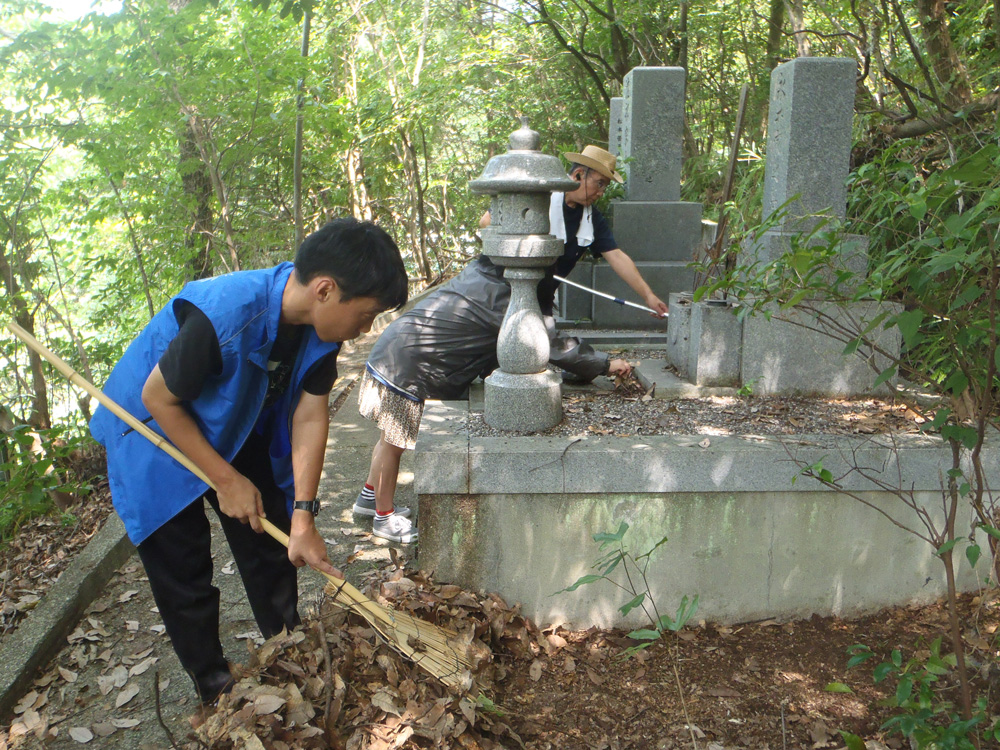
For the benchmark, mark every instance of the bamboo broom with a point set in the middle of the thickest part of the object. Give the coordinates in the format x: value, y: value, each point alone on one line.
x: 439, y: 651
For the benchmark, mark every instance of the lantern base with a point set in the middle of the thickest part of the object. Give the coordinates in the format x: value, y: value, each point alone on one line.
x: 526, y: 403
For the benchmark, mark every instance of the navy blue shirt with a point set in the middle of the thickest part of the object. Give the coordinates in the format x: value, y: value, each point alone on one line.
x: 604, y: 240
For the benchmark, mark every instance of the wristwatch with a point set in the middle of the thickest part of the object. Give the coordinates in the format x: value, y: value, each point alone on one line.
x: 310, y: 505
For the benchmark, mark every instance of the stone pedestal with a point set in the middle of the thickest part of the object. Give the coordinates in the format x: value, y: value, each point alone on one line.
x: 796, y: 352
x: 527, y: 403
x: 679, y: 332
x: 715, y: 341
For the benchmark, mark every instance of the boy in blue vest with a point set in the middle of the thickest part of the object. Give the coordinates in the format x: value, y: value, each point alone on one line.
x: 236, y: 372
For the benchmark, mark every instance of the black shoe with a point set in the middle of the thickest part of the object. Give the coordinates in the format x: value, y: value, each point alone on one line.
x: 213, y: 686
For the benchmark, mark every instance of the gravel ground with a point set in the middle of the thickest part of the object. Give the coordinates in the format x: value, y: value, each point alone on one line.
x: 627, y: 410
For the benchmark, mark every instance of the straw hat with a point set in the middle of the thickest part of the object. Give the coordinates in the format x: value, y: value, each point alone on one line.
x: 597, y: 158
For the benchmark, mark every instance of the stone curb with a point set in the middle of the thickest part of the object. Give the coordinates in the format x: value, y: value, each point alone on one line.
x: 40, y: 637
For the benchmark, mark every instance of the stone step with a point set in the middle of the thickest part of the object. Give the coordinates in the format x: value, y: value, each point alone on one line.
x: 605, y: 338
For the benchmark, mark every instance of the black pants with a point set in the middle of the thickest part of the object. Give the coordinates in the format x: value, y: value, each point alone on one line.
x: 178, y: 561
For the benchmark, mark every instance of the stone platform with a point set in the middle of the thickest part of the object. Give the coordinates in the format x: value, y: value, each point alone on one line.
x: 516, y: 515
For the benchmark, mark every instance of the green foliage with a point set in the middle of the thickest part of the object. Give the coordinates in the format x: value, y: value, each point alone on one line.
x: 155, y: 144
x: 27, y: 477
x: 934, y: 245
x: 633, y: 570
x: 486, y: 705
x: 925, y: 712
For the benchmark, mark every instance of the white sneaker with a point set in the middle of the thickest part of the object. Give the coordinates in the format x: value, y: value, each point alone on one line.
x: 363, y: 507
x: 395, y: 528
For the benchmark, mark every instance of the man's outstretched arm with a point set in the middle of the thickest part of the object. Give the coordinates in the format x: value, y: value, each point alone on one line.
x: 625, y: 267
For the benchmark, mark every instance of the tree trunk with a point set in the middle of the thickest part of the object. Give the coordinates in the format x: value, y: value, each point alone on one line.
x: 620, y: 46
x: 199, y: 190
x: 948, y: 68
x: 361, y: 207
x: 682, y: 53
x: 796, y: 15
x: 39, y: 417
x: 996, y: 23
x: 360, y: 203
x: 411, y: 167
x: 775, y: 21
x: 200, y: 135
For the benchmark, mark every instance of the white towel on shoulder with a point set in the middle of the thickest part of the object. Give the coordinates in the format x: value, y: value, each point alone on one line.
x: 557, y: 224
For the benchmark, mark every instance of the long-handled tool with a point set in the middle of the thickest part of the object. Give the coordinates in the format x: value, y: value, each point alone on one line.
x: 437, y: 650
x: 611, y: 297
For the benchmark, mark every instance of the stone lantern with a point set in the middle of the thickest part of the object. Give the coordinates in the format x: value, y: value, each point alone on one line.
x: 523, y: 394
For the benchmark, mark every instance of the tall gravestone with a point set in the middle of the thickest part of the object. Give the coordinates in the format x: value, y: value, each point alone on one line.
x: 652, y: 225
x: 808, y: 160
x: 522, y: 394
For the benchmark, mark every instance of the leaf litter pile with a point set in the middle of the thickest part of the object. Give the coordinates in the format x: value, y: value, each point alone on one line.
x: 333, y: 683
x: 43, y: 547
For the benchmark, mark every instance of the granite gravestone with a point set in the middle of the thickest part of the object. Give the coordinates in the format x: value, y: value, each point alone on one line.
x: 808, y: 160
x: 652, y: 225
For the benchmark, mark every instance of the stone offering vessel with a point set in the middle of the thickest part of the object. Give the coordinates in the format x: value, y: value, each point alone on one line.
x: 523, y: 394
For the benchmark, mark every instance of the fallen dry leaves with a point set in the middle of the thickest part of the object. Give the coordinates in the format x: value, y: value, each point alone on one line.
x: 32, y: 560
x: 628, y: 411
x: 336, y: 683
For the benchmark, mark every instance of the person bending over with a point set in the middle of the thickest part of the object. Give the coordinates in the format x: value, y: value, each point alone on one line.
x: 448, y: 340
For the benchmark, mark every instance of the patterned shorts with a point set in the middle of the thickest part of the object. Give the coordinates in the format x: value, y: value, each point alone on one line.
x: 396, y: 415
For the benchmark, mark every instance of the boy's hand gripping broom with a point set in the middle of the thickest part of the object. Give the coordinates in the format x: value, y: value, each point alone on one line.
x: 439, y: 651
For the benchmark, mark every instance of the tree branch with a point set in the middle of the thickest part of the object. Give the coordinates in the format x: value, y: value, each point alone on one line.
x: 929, y: 124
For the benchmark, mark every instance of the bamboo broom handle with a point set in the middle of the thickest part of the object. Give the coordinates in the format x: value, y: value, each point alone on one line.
x: 74, y: 377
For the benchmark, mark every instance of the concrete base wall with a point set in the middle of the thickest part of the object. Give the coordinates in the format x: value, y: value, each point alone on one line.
x: 517, y: 516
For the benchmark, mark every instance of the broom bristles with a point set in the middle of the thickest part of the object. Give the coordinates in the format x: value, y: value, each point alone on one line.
x: 441, y: 655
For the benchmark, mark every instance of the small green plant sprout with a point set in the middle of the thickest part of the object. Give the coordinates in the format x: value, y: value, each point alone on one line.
x: 925, y: 714
x: 486, y: 705
x: 615, y: 555
x: 746, y: 390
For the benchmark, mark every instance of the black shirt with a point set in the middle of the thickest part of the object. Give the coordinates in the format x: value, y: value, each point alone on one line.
x: 604, y: 240
x: 194, y: 356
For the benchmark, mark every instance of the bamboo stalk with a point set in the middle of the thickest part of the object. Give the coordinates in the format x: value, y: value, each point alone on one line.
x: 447, y: 664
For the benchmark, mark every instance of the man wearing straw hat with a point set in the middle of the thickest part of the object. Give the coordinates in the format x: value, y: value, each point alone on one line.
x: 437, y: 349
x: 236, y: 372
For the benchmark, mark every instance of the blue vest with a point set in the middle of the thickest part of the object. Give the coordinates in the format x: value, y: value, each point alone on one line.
x: 148, y: 487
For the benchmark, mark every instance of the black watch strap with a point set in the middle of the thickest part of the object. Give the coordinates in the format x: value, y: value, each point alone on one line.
x: 310, y: 505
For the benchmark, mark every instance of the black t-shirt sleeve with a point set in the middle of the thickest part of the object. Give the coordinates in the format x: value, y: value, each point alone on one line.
x: 322, y: 376
x: 193, y: 356
x: 604, y: 240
